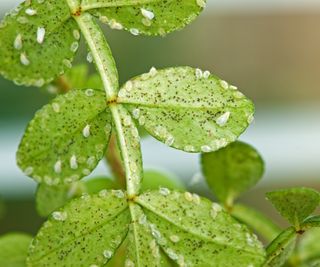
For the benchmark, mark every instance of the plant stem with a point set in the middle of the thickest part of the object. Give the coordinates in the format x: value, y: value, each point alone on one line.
x: 127, y: 133
x: 257, y: 221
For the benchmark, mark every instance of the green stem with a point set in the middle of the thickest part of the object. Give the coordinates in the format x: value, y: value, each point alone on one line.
x: 127, y: 133
x: 257, y: 221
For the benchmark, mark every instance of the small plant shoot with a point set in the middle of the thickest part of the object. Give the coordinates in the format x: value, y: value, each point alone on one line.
x: 124, y: 220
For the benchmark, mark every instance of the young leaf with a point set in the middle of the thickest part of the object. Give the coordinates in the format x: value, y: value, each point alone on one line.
x: 295, y: 204
x: 38, y: 40
x: 281, y: 248
x: 13, y: 249
x: 310, y: 222
x: 193, y: 231
x: 67, y: 138
x: 187, y: 109
x: 232, y: 170
x: 86, y: 232
x: 146, y: 17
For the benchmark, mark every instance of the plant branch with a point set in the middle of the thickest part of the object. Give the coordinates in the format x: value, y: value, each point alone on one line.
x: 126, y: 130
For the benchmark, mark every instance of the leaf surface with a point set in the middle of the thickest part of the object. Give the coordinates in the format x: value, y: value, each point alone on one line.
x: 187, y: 111
x: 295, y: 204
x: 69, y: 236
x: 67, y: 138
x: 146, y: 17
x: 281, y: 248
x: 232, y: 170
x: 193, y: 231
x: 13, y: 249
x: 142, y: 249
x: 37, y: 42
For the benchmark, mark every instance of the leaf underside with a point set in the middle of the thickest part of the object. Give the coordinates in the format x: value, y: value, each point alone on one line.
x: 295, y: 204
x: 180, y: 226
x: 232, y: 170
x: 86, y: 232
x: 165, y: 16
x: 13, y: 249
x: 24, y: 59
x: 197, y: 232
x: 187, y: 112
x: 67, y: 138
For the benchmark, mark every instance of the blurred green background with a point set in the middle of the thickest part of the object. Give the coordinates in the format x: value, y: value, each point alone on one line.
x: 269, y: 49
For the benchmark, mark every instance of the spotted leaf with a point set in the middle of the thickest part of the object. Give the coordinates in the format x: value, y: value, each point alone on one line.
x: 38, y: 40
x: 142, y: 249
x: 232, y: 170
x: 67, y: 138
x: 13, y: 249
x: 192, y: 231
x: 148, y: 17
x: 187, y: 109
x: 295, y: 204
x: 279, y: 251
x: 86, y: 232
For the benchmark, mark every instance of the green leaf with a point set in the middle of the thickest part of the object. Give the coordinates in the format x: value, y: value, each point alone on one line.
x: 152, y: 180
x: 232, y: 170
x: 279, y: 251
x: 143, y: 249
x: 257, y: 221
x: 309, y: 247
x: 295, y: 204
x: 187, y: 109
x: 146, y: 17
x: 67, y: 138
x: 37, y: 42
x: 13, y: 249
x: 52, y: 197
x: 193, y: 231
x: 86, y: 232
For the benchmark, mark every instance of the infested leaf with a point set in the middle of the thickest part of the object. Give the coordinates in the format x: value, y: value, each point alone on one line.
x: 281, y: 248
x: 187, y: 109
x: 146, y: 17
x: 69, y: 236
x: 38, y: 40
x: 142, y: 249
x: 13, y: 249
x: 193, y: 231
x: 67, y: 138
x: 295, y: 204
x: 232, y: 170
x: 52, y: 197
